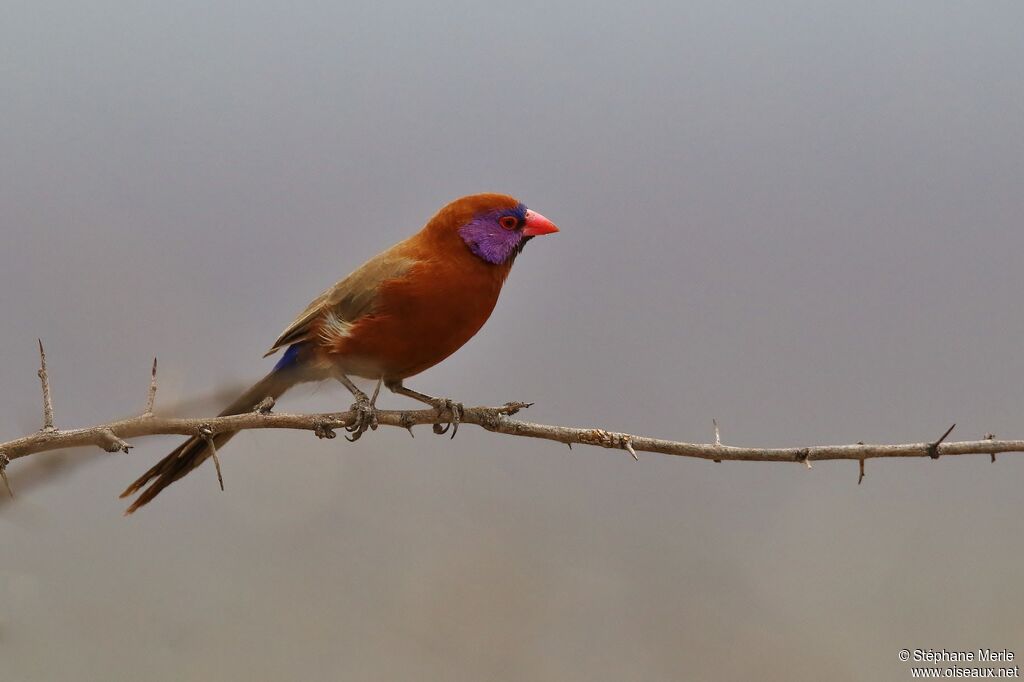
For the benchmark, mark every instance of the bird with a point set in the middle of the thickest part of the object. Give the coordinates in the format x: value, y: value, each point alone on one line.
x: 400, y: 313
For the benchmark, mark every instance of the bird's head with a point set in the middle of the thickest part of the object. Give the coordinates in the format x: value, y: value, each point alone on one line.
x: 495, y: 227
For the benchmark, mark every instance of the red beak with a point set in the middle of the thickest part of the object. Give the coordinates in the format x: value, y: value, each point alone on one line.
x: 536, y: 224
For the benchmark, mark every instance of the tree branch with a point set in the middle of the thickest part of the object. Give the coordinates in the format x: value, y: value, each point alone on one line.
x: 113, y: 436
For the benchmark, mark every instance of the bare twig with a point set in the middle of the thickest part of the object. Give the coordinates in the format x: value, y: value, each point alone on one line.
x: 44, y: 379
x: 112, y: 436
x: 496, y: 420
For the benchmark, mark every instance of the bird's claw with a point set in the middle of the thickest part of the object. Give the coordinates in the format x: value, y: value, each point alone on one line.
x: 366, y: 418
x: 454, y: 411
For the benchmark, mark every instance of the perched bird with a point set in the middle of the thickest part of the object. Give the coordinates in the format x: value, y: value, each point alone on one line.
x: 401, y: 312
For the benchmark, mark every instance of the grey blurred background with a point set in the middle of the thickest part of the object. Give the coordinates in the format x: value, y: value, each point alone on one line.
x: 803, y: 219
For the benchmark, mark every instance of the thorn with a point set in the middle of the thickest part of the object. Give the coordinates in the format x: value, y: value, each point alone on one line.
x: 4, y: 461
x: 151, y: 399
x: 860, y: 478
x: 991, y: 436
x: 216, y: 463
x: 948, y: 431
x: 570, y: 445
x: 804, y: 456
x: 718, y: 435
x: 933, y: 448
x: 628, y: 445
x: 406, y: 422
x: 207, y: 434
x: 44, y: 379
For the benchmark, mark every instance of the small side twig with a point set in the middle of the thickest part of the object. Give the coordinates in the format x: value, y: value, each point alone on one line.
x: 4, y: 461
x: 44, y: 379
x: 107, y: 440
x: 151, y: 399
x: 323, y: 428
x: 265, y: 406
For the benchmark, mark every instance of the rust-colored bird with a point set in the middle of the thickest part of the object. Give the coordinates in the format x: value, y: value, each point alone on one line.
x: 401, y: 312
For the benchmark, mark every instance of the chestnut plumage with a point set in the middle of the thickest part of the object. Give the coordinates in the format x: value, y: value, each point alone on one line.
x: 401, y: 312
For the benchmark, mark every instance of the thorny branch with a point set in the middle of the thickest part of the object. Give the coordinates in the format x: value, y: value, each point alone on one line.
x: 112, y: 436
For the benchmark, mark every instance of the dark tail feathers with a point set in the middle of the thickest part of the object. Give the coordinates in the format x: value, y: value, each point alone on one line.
x: 196, y: 450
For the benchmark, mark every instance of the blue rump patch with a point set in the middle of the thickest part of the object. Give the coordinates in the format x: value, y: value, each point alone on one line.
x: 290, y: 357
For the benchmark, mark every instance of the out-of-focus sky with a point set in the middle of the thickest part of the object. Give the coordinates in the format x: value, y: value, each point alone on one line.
x: 802, y: 219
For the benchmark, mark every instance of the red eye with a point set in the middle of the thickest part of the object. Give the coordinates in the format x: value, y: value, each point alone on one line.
x: 509, y: 222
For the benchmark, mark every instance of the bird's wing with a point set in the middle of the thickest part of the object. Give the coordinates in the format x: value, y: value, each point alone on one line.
x: 348, y: 300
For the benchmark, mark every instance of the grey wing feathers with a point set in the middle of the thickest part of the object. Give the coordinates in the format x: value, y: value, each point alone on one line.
x: 348, y: 300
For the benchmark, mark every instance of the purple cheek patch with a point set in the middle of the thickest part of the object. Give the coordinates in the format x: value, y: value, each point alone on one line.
x: 489, y: 241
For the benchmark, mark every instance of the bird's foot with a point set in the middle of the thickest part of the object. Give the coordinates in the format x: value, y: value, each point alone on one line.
x: 452, y: 410
x: 366, y: 418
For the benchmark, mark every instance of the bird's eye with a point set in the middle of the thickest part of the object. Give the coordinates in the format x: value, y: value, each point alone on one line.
x: 509, y: 222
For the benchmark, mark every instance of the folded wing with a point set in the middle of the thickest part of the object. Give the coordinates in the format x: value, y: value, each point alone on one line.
x: 346, y: 301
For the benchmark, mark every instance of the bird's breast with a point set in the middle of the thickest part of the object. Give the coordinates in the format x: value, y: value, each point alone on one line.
x: 420, y: 319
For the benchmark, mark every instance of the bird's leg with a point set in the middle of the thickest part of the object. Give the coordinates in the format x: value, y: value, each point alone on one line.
x: 442, y: 405
x: 364, y: 407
